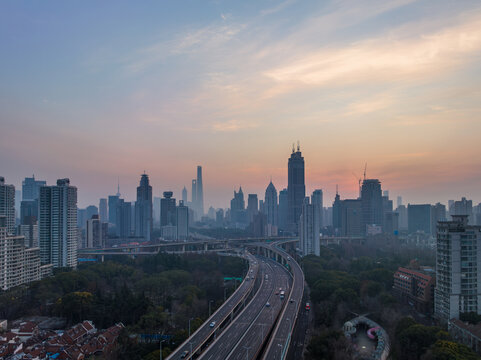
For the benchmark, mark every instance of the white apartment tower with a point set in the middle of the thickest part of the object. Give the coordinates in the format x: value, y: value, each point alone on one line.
x: 458, y: 269
x: 58, y: 224
x: 7, y: 204
x: 309, y: 226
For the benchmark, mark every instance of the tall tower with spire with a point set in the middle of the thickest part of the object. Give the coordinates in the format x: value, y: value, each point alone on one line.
x: 296, y: 188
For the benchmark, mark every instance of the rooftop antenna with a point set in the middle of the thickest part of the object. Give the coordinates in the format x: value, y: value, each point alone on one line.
x: 298, y: 146
x: 293, y: 148
x: 337, y: 189
x: 365, y: 168
x: 118, y: 186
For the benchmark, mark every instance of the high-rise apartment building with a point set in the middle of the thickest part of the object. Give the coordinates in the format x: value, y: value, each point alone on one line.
x: 7, y: 204
x: 96, y: 232
x: 458, y: 269
x: 296, y: 189
x: 309, y: 235
x: 438, y: 213
x: 58, y: 224
x: 372, y: 204
x: 18, y: 264
x: 143, y: 209
x: 464, y: 207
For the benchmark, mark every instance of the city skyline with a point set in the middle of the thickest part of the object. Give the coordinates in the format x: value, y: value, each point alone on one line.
x: 112, y: 91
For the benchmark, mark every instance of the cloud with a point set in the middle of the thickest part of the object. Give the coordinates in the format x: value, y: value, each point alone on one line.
x: 231, y: 126
x: 383, y: 59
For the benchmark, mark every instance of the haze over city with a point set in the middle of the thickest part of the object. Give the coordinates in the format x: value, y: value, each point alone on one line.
x: 97, y: 92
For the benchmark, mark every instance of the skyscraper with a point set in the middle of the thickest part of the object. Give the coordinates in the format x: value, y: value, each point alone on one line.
x: 113, y: 202
x: 124, y: 219
x: 296, y: 189
x: 58, y: 224
x: 200, y: 193
x: 143, y: 209
x: 282, y: 213
x: 458, y: 269
x: 252, y: 206
x: 309, y: 229
x: 103, y: 212
x: 184, y: 195
x: 419, y: 218
x: 464, y: 207
x: 371, y: 200
x: 182, y: 221
x: 194, y: 196
x: 31, y: 188
x: 7, y: 205
x: 316, y: 200
x: 167, y: 209
x: 96, y: 232
x: 271, y: 209
x: 237, y: 206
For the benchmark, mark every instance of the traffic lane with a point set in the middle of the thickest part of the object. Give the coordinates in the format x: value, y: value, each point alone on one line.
x: 219, y: 316
x: 224, y: 343
x: 254, y: 339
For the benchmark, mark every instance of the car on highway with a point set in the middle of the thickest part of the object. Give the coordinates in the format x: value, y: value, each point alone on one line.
x: 212, y: 324
x: 184, y: 354
x: 267, y: 304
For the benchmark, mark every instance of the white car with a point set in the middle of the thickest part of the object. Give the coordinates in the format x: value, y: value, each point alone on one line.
x: 212, y: 324
x: 267, y: 304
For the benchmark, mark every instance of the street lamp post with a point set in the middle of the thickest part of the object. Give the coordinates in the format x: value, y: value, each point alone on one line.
x: 210, y: 301
x: 160, y: 345
x: 189, y: 325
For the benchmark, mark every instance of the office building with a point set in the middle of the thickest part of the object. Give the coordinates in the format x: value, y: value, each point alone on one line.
x: 31, y: 188
x: 167, y: 209
x: 156, y: 211
x: 270, y: 209
x: 103, y: 210
x: 237, y: 209
x: 336, y: 214
x: 219, y: 218
x: 184, y: 196
x: 350, y: 218
x: 124, y: 219
x: 143, y: 209
x: 96, y: 232
x: 282, y: 212
x: 113, y: 201
x: 402, y: 212
x: 309, y: 235
x: 252, y: 207
x: 399, y: 201
x: 372, y: 203
x: 29, y: 230
x: 182, y: 221
x: 194, y: 195
x: 58, y: 224
x: 391, y: 223
x: 458, y: 269
x: 7, y: 204
x: 296, y: 189
x: 419, y: 218
x: 28, y: 210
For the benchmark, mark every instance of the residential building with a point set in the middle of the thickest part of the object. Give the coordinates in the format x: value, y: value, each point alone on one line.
x: 309, y: 235
x: 58, y: 224
x: 7, y: 204
x: 96, y: 232
x: 415, y: 288
x: 458, y: 269
x: 464, y: 207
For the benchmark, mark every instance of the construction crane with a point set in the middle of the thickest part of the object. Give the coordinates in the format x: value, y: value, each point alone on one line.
x: 359, y: 179
x: 365, y: 168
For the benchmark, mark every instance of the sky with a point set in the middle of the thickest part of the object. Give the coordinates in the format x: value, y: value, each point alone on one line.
x: 101, y: 91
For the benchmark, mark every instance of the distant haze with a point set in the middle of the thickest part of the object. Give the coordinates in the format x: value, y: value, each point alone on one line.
x: 97, y: 91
